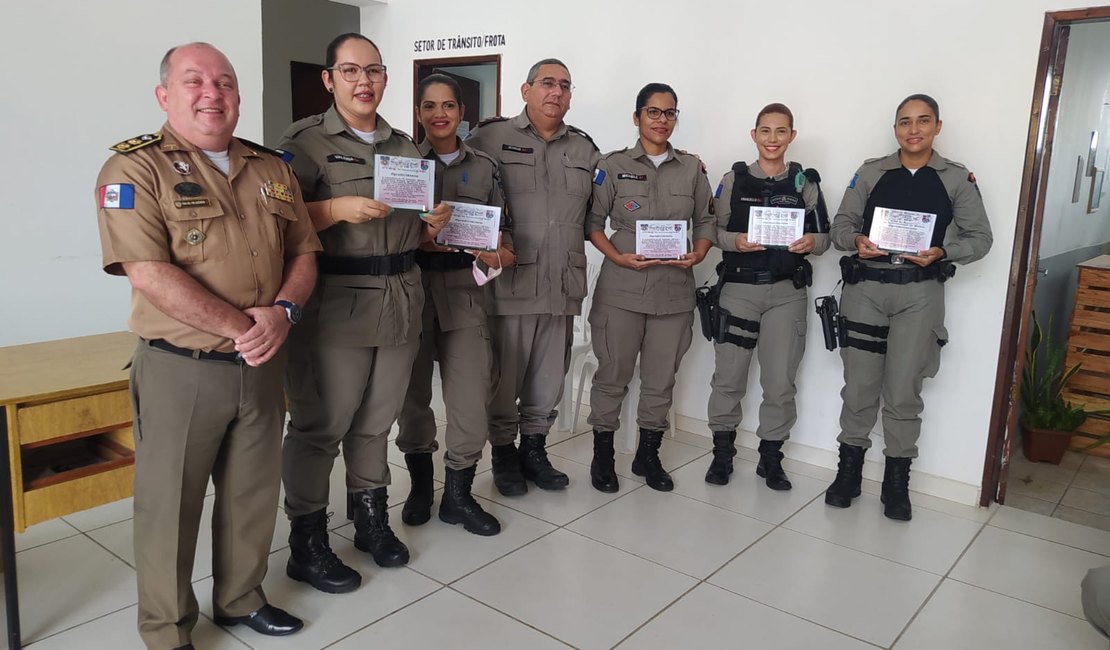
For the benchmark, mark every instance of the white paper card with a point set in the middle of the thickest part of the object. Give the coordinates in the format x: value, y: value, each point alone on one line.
x: 662, y: 240
x: 473, y: 227
x: 902, y: 231
x: 404, y: 183
x: 775, y: 226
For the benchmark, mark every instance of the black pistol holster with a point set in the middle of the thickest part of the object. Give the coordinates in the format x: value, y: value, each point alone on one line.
x: 829, y: 313
x: 708, y: 300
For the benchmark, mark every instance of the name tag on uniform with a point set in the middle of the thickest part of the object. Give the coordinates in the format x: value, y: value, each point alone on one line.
x: 631, y: 177
x: 513, y: 147
x: 340, y: 157
x: 191, y: 203
x: 279, y: 191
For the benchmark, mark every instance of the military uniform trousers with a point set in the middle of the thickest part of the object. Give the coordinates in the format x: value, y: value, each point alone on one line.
x: 531, y: 358
x: 465, y: 368
x: 619, y: 337
x: 348, y: 395
x: 915, y: 315
x: 780, y: 310
x: 194, y: 419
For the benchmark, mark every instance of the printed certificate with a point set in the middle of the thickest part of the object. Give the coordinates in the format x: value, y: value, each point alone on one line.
x: 473, y: 227
x: 661, y: 240
x: 775, y: 227
x: 406, y: 183
x: 902, y: 231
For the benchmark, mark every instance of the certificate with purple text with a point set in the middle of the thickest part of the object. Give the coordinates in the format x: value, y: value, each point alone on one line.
x: 902, y: 231
x: 472, y: 227
x: 404, y: 183
x: 775, y: 227
x: 661, y: 240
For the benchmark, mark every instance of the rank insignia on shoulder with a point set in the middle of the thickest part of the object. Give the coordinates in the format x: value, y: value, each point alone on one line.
x: 599, y: 177
x: 194, y: 237
x: 119, y: 196
x: 136, y: 143
x: 852, y: 184
x: 632, y: 206
x: 279, y: 191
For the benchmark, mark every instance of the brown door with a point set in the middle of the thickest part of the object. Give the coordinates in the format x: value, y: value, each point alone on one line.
x: 310, y: 97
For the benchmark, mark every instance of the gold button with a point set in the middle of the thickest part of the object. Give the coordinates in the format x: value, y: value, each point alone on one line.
x: 242, y: 216
x: 254, y: 253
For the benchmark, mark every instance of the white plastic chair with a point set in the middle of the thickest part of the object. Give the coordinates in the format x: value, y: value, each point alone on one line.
x: 580, y: 348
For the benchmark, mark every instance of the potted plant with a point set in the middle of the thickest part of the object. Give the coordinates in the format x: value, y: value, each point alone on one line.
x: 1047, y: 419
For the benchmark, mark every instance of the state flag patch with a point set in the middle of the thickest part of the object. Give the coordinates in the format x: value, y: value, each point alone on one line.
x: 117, y: 195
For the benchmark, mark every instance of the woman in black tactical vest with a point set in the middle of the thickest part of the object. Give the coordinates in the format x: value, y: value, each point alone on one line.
x: 763, y: 279
x: 643, y: 306
x: 892, y: 311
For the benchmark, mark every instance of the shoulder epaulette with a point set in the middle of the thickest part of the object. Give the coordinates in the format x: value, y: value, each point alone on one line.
x: 491, y: 120
x: 405, y: 136
x: 136, y: 143
x: 954, y: 163
x: 478, y: 153
x: 812, y: 175
x: 302, y: 124
x: 254, y: 146
x: 740, y: 168
x: 575, y: 129
x: 613, y: 153
x: 873, y: 160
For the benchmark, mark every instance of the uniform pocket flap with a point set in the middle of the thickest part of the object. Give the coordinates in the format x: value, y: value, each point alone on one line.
x: 527, y: 257
x: 576, y: 259
x: 192, y: 213
x: 344, y: 172
x: 516, y: 158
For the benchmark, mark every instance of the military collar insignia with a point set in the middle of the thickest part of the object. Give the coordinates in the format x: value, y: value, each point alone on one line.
x: 136, y: 143
x: 182, y: 167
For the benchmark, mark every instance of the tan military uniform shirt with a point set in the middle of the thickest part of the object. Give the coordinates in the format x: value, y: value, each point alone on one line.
x: 969, y: 236
x: 633, y: 189
x: 723, y: 208
x: 547, y: 185
x: 470, y: 178
x: 232, y: 234
x: 331, y: 161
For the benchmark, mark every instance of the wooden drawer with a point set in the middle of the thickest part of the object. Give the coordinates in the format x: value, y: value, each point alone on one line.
x: 76, y: 495
x: 88, y: 414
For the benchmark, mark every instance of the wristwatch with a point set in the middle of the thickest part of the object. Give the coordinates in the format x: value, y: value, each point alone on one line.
x: 292, y: 310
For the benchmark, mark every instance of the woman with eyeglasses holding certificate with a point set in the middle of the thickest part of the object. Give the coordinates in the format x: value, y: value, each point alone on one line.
x: 770, y: 216
x: 909, y: 217
x: 654, y: 198
x: 455, y: 331
x: 352, y: 353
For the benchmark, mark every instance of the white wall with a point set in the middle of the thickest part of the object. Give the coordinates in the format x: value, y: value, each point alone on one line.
x: 295, y: 30
x: 77, y: 79
x: 842, y: 67
x: 1084, y: 107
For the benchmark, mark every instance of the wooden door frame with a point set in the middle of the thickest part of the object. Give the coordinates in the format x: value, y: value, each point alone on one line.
x: 1027, y: 238
x: 453, y: 61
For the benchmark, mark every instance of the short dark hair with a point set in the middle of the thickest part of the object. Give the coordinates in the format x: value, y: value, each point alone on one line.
x: 535, y: 69
x: 920, y: 97
x: 438, y: 78
x: 772, y: 108
x: 653, y: 88
x: 333, y: 46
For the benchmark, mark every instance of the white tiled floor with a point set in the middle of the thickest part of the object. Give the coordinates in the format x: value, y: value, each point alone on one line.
x: 703, y: 567
x: 1076, y: 490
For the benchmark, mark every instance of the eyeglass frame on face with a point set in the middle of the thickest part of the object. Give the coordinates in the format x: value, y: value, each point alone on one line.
x: 550, y: 83
x: 670, y: 113
x: 369, y: 71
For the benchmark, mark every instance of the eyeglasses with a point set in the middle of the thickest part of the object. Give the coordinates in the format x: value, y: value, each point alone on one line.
x: 655, y: 113
x: 352, y: 73
x: 550, y: 83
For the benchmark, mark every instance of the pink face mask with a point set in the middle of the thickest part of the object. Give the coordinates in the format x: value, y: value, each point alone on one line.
x: 482, y: 278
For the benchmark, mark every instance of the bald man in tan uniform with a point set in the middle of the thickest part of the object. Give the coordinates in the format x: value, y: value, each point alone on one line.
x: 212, y: 234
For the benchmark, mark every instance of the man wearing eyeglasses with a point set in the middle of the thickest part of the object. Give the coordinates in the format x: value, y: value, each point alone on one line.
x: 212, y: 234
x: 547, y: 168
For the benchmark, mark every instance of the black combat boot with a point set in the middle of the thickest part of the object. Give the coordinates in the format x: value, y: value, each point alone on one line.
x: 457, y: 505
x: 724, y: 449
x: 602, y: 473
x: 418, y: 507
x: 372, y: 532
x: 770, y: 465
x: 896, y: 489
x: 535, y: 465
x: 311, y: 559
x: 849, y: 477
x: 506, y: 470
x: 646, y: 463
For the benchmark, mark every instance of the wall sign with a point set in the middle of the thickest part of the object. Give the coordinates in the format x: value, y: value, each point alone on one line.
x: 459, y: 42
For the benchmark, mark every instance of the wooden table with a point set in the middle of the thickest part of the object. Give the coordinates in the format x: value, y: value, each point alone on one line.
x: 66, y: 418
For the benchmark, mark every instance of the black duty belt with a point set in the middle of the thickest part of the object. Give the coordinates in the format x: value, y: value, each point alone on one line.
x: 366, y: 265
x: 161, y: 344
x: 752, y: 276
x: 853, y: 271
x: 443, y: 261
